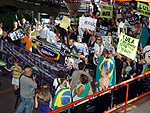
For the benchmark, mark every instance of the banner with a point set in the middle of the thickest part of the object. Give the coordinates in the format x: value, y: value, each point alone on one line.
x: 133, y: 20
x: 143, y: 9
x: 103, y: 30
x: 82, y: 46
x: 47, y: 68
x: 65, y: 23
x: 15, y: 35
x: 107, y: 43
x: 127, y: 46
x: 106, y: 11
x: 87, y: 22
x: 47, y: 50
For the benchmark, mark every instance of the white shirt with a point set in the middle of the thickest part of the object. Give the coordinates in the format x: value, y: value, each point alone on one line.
x: 38, y: 28
x: 44, y: 33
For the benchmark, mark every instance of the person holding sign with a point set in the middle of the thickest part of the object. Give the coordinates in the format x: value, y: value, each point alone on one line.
x: 98, y: 50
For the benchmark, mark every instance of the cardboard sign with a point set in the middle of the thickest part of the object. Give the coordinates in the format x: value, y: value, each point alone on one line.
x: 65, y: 23
x: 15, y: 35
x: 127, y: 46
x: 143, y: 9
x: 107, y: 43
x: 133, y: 20
x: 87, y: 22
x: 106, y: 11
x: 83, y: 47
x: 103, y: 30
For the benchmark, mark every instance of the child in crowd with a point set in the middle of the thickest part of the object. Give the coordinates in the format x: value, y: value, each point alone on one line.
x: 16, y: 69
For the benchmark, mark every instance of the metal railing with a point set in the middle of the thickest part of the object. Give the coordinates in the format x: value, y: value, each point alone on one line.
x: 124, y: 105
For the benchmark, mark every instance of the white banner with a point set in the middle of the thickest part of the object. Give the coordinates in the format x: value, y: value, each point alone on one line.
x: 87, y: 22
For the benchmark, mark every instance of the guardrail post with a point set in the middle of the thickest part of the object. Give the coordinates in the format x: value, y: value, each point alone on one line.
x: 127, y: 92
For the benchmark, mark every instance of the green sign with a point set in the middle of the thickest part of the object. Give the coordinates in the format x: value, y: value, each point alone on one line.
x: 143, y: 9
x: 127, y: 46
x: 106, y: 11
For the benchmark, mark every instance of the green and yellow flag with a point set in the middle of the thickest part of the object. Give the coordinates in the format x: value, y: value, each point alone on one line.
x: 110, y: 64
x: 62, y: 98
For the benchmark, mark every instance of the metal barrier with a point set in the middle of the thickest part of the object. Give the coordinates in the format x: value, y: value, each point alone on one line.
x: 124, y: 105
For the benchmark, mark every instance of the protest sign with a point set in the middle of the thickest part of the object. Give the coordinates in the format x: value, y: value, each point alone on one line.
x: 65, y: 23
x: 114, y: 34
x: 143, y: 9
x: 47, y: 68
x: 127, y: 46
x: 76, y: 60
x: 103, y: 30
x: 82, y: 46
x: 107, y: 43
x: 64, y: 50
x: 133, y: 20
x: 15, y: 35
x: 87, y: 22
x: 106, y: 11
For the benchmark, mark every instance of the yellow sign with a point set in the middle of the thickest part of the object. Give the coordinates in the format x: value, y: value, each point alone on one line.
x: 143, y: 9
x: 106, y: 11
x: 127, y: 46
x: 65, y: 23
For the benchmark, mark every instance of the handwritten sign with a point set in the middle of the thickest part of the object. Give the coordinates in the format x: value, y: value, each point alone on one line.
x: 106, y: 11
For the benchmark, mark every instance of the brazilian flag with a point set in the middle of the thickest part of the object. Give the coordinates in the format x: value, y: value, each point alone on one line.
x: 63, y: 97
x: 110, y: 64
x: 2, y: 63
x: 74, y: 52
x: 35, y: 68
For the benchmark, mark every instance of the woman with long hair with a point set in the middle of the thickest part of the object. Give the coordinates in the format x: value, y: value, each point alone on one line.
x: 43, y: 100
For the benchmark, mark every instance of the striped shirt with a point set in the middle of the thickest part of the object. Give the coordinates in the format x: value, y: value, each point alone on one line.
x: 27, y: 87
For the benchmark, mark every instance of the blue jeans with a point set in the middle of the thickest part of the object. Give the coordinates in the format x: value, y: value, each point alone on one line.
x: 27, y: 103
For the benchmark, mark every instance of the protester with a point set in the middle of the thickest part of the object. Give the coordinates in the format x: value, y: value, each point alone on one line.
x: 43, y: 100
x: 76, y: 75
x: 63, y: 96
x: 82, y: 92
x: 28, y: 41
x: 44, y: 33
x: 16, y: 70
x: 38, y: 29
x: 27, y: 91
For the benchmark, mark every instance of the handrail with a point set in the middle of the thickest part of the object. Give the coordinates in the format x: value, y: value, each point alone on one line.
x: 108, y: 89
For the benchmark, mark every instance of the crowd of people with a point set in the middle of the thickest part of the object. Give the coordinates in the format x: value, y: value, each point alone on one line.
x: 76, y: 82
